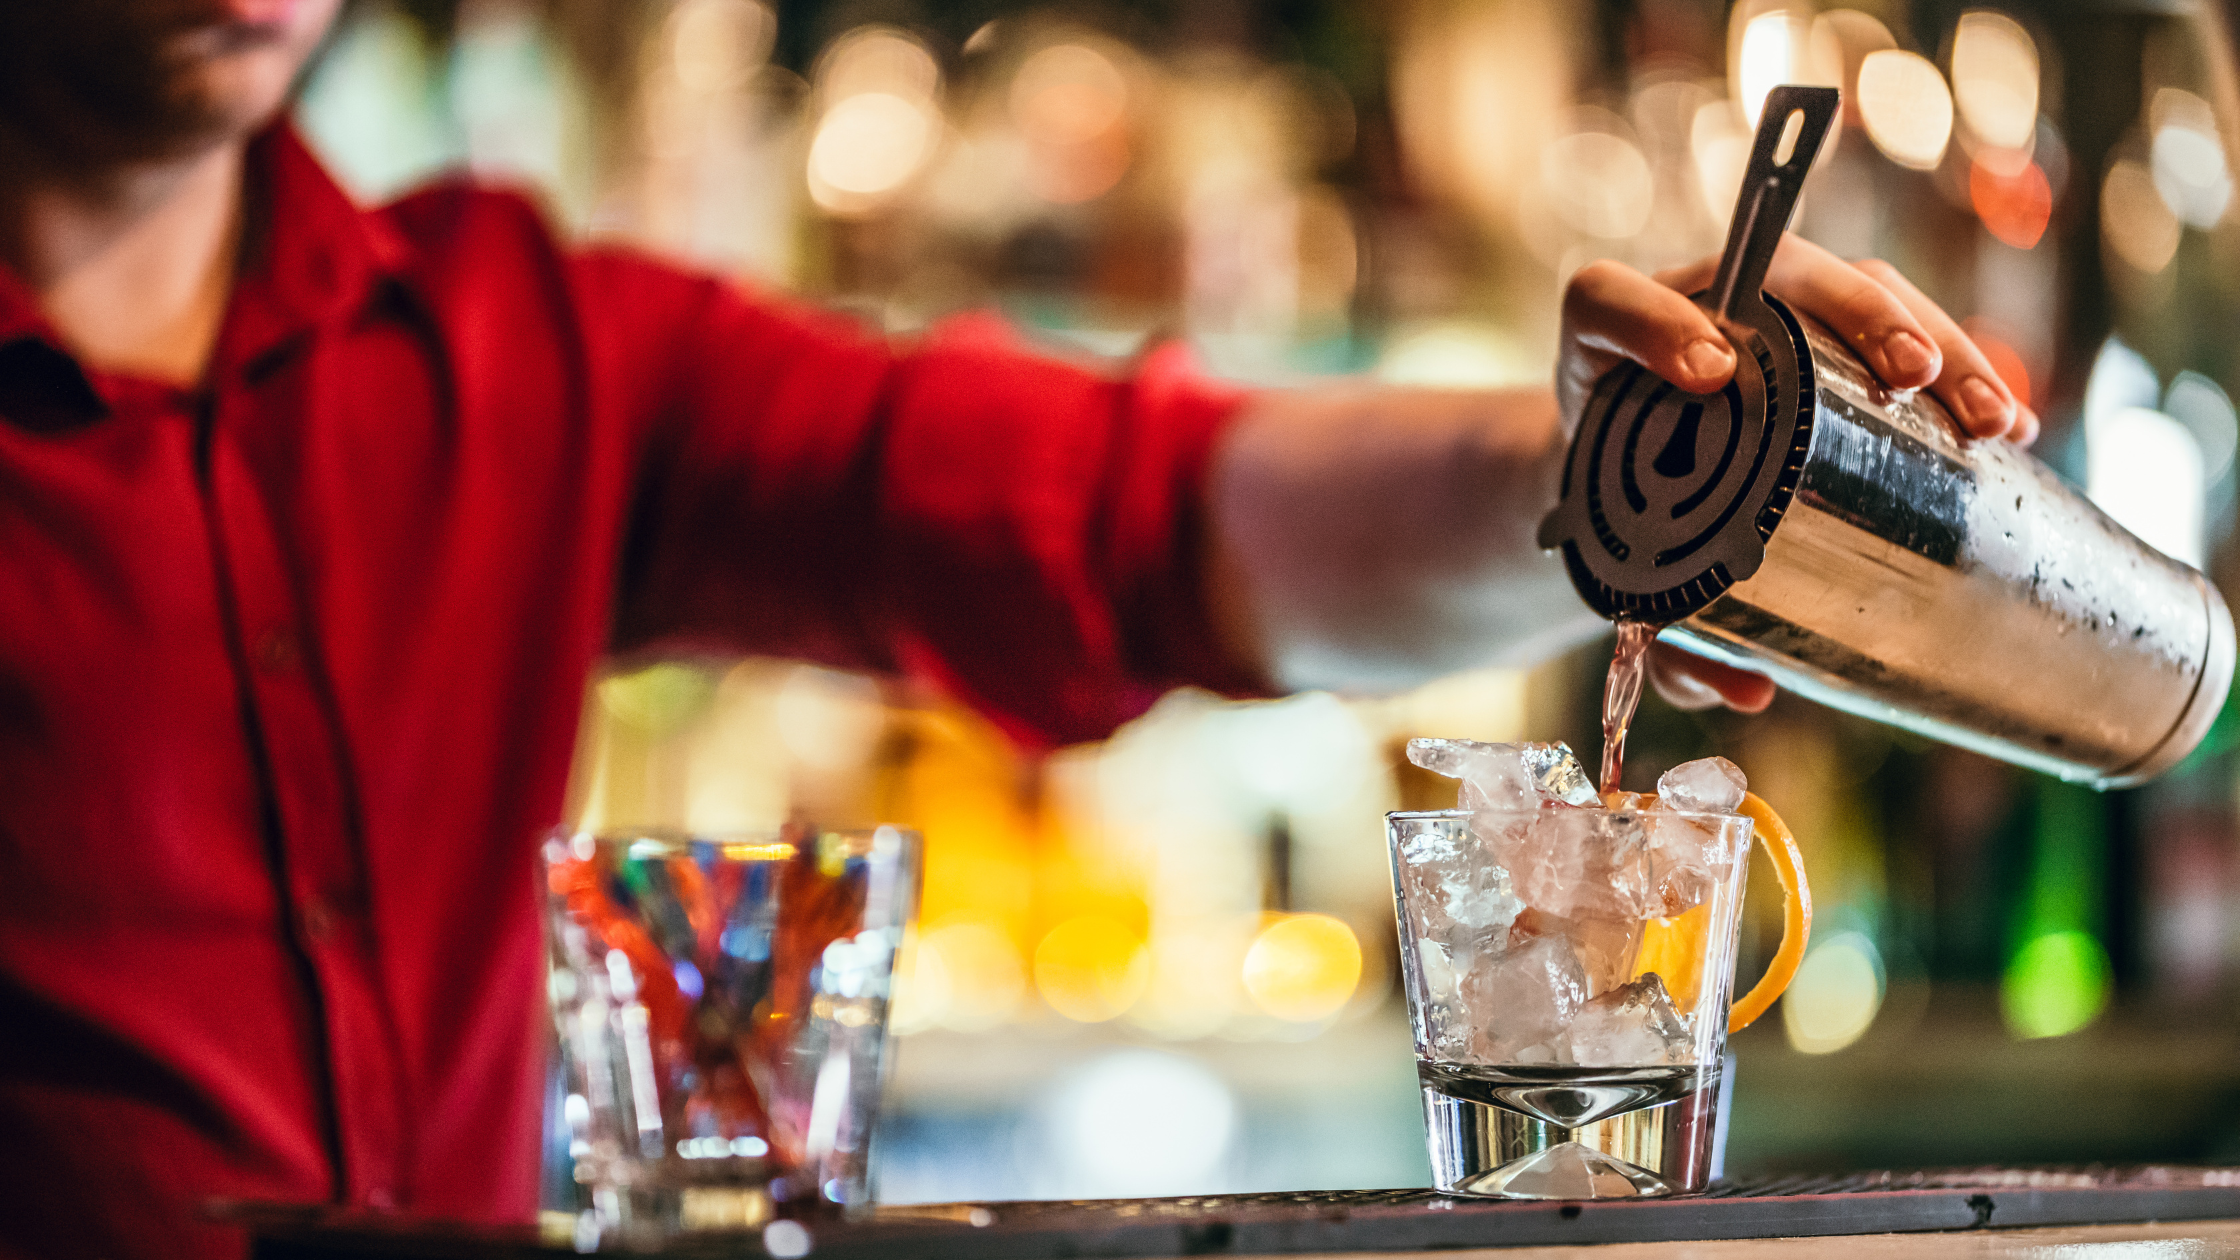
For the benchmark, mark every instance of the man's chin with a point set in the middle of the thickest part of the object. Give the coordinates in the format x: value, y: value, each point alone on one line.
x: 225, y: 82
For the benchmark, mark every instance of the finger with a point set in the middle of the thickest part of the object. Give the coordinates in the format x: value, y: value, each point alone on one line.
x: 2026, y: 427
x: 1688, y: 681
x: 1858, y: 306
x: 1689, y: 277
x: 1969, y: 387
x: 1613, y: 308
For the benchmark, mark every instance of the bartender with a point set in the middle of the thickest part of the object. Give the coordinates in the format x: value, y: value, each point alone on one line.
x: 314, y: 518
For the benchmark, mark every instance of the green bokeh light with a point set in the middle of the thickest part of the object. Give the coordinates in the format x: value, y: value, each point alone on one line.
x: 2055, y: 985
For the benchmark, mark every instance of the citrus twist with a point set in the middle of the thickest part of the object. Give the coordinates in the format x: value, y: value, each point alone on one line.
x: 1796, y: 913
x: 1674, y: 948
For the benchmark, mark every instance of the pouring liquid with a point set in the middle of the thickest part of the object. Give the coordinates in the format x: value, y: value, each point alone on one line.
x: 1621, y: 695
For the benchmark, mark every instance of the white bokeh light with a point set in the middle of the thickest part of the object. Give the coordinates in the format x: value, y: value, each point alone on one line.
x: 1906, y: 106
x: 1139, y: 1123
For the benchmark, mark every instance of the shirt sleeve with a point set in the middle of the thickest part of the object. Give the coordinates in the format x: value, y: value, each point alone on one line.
x: 1022, y: 532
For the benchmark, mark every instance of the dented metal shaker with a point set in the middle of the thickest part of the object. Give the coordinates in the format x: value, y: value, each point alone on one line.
x: 1808, y: 523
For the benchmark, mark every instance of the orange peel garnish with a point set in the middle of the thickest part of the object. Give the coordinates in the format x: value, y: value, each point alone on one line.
x: 1673, y: 948
x: 1796, y: 913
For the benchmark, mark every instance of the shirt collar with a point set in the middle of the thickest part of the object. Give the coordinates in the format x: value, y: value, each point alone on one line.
x: 314, y: 256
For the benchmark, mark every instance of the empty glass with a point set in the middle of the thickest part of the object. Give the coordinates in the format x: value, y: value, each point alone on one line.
x: 1568, y: 976
x: 721, y: 1003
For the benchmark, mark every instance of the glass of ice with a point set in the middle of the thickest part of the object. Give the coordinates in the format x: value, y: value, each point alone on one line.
x: 1569, y: 969
x: 721, y: 1004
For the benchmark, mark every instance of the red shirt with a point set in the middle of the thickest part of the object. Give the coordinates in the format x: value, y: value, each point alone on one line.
x: 290, y: 664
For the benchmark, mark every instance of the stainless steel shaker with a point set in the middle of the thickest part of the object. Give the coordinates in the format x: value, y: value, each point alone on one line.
x: 1809, y: 523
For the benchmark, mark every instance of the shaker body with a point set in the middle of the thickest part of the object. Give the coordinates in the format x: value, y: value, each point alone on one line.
x: 1961, y: 590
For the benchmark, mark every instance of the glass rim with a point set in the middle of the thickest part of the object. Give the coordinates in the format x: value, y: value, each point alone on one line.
x: 1421, y: 815
x: 737, y: 835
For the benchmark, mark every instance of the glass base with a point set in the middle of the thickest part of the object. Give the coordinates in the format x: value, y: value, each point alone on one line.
x: 1481, y: 1148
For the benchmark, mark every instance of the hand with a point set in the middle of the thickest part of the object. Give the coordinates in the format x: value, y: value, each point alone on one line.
x: 1688, y: 681
x: 1613, y: 313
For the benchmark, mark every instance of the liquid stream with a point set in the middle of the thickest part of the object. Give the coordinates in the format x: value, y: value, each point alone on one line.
x: 1621, y: 695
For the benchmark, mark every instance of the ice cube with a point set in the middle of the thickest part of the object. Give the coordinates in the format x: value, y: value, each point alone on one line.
x: 1456, y: 893
x: 1557, y: 774
x: 1606, y: 948
x: 1680, y: 887
x: 1442, y: 1026
x: 1437, y: 970
x: 1580, y: 864
x: 1479, y: 901
x: 1506, y: 776
x: 1634, y: 1025
x: 1522, y: 999
x: 1493, y: 775
x: 1713, y: 785
x: 1687, y: 858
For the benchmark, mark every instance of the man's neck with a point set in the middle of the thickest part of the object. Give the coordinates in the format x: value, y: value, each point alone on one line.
x: 133, y: 269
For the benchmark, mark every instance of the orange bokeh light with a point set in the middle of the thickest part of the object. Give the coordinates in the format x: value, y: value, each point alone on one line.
x: 2017, y: 207
x: 2005, y: 359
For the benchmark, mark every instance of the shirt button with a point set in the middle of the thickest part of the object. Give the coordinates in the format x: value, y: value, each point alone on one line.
x: 318, y: 920
x: 276, y: 652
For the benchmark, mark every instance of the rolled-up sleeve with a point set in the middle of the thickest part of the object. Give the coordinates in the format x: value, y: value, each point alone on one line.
x: 1022, y: 532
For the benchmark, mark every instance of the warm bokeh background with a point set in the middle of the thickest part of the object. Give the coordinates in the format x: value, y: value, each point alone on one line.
x: 1164, y: 964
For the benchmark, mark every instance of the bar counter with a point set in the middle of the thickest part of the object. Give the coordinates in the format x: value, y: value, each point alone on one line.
x: 2065, y: 1212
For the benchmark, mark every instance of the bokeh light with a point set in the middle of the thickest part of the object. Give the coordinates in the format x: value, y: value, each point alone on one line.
x: 714, y: 43
x: 659, y: 699
x: 1070, y: 101
x: 881, y: 121
x: 963, y: 975
x: 1995, y: 79
x: 1599, y: 183
x: 2187, y: 158
x: 1835, y: 996
x: 2056, y: 985
x: 2134, y: 219
x: 1303, y: 967
x: 1770, y: 52
x: 1906, y: 108
x: 1720, y: 145
x: 1140, y: 1122
x: 1997, y: 345
x: 1068, y: 94
x: 2015, y: 207
x: 878, y: 59
x: 2201, y: 405
x: 1840, y: 40
x: 868, y: 144
x: 2146, y: 470
x: 828, y: 720
x: 1091, y: 968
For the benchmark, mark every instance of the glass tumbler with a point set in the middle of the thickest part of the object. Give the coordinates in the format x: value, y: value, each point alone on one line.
x: 1568, y: 974
x: 721, y: 1005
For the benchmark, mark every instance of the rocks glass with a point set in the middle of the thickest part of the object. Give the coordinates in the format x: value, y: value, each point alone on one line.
x: 1568, y: 973
x: 721, y: 1004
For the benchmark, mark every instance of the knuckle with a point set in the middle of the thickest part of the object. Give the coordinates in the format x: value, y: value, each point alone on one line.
x: 1877, y: 270
x: 1590, y: 280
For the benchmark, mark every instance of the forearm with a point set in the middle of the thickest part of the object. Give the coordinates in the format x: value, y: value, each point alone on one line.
x: 1374, y: 537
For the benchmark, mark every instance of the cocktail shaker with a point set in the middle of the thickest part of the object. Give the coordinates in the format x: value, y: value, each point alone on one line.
x: 1809, y: 523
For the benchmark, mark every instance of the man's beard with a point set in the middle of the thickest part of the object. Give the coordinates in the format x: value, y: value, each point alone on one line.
x: 94, y: 83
